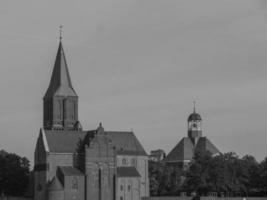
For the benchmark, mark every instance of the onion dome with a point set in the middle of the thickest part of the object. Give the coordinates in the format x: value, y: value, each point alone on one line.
x: 194, y: 117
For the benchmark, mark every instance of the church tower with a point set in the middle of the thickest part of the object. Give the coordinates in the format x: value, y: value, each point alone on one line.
x: 194, y: 123
x: 60, y: 102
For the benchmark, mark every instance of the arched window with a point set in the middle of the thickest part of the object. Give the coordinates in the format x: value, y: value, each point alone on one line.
x: 124, y: 161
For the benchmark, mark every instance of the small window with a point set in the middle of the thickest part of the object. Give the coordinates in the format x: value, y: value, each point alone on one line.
x: 121, y: 187
x: 129, y: 188
x: 133, y: 161
x: 74, y: 183
x: 124, y: 162
x: 121, y: 198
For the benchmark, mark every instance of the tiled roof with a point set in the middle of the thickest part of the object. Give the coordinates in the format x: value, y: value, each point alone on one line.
x: 127, y: 172
x: 60, y: 83
x: 184, y: 150
x: 126, y: 143
x: 70, y: 171
x: 64, y: 141
x: 204, y: 145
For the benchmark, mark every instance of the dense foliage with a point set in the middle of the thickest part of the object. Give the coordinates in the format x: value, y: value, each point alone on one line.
x: 14, y: 174
x: 225, y: 174
x: 164, y: 180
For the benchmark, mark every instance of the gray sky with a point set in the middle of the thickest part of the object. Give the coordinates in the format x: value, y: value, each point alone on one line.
x: 139, y: 64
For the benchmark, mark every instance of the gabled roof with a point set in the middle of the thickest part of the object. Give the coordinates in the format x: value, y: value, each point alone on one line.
x: 70, y: 171
x: 184, y: 150
x: 127, y: 172
x: 125, y: 143
x: 60, y: 83
x: 204, y: 145
x: 64, y: 141
x: 55, y: 185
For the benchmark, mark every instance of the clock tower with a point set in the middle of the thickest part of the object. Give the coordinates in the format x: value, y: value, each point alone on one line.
x: 194, y: 123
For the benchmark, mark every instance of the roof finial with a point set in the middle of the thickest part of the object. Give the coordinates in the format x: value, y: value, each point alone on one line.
x: 194, y: 102
x: 60, y: 32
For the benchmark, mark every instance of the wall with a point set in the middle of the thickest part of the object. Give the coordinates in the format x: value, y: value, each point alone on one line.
x: 40, y: 166
x: 204, y: 198
x: 74, y: 187
x: 15, y: 198
x: 100, y: 168
x: 58, y: 159
x: 128, y: 188
x: 141, y: 164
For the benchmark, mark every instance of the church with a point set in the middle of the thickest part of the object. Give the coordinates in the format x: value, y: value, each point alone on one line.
x: 183, y: 153
x: 72, y: 163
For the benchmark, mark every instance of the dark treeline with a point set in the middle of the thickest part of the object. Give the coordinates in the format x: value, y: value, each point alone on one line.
x: 225, y: 174
x: 14, y: 174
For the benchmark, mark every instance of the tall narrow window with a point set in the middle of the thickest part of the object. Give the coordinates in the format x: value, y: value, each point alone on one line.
x: 133, y: 162
x: 100, y: 185
x: 124, y: 161
x: 64, y: 109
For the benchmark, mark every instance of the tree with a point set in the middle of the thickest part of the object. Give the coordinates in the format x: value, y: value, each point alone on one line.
x: 198, y: 174
x: 164, y: 179
x: 14, y: 174
x: 224, y: 173
x: 253, y: 171
x: 155, y: 174
x: 263, y: 176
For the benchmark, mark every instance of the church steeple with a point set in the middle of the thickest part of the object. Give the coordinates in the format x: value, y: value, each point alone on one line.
x: 60, y: 100
x: 60, y: 83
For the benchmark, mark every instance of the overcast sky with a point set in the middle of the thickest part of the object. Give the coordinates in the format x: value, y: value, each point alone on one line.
x: 139, y: 64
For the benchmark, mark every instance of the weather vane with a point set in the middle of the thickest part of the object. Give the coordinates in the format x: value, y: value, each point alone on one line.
x: 60, y: 32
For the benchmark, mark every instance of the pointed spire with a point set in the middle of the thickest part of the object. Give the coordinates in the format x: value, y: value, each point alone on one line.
x: 60, y: 83
x: 60, y: 32
x: 194, y: 109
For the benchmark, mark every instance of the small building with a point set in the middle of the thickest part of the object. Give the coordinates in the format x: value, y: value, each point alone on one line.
x: 185, y: 150
x: 157, y: 155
